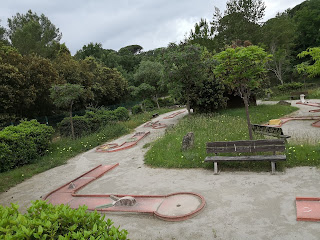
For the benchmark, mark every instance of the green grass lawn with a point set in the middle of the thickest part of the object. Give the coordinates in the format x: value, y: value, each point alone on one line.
x: 226, y: 125
x: 63, y: 149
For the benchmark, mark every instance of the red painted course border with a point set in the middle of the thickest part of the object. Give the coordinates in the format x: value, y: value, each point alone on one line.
x: 174, y: 114
x: 148, y: 204
x: 308, y: 209
x: 114, y: 147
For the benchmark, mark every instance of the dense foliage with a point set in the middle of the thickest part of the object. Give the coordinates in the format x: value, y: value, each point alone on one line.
x: 45, y: 221
x: 92, y: 121
x: 243, y: 70
x: 22, y: 144
x: 32, y: 59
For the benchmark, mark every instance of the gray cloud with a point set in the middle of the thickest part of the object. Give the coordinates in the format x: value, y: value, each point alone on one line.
x: 115, y: 24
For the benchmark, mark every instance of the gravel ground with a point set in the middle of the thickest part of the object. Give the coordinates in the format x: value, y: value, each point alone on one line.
x: 240, y: 205
x: 300, y: 130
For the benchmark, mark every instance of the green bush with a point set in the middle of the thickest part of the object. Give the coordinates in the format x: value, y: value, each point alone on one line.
x: 166, y: 102
x: 6, y: 157
x: 92, y: 121
x: 121, y: 114
x: 315, y: 93
x: 80, y: 125
x: 148, y: 105
x: 136, y: 109
x: 45, y: 221
x: 22, y: 144
x: 290, y: 86
x: 39, y: 133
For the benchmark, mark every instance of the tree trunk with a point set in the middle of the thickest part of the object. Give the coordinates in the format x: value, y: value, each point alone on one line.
x: 245, y: 100
x: 188, y: 103
x: 144, y: 106
x: 71, y: 121
x: 157, y: 101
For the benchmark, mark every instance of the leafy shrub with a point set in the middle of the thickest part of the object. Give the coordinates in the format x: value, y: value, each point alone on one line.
x: 6, y: 157
x: 92, y: 121
x: 148, y: 105
x: 136, y: 109
x: 45, y: 221
x: 290, y: 86
x: 80, y: 125
x: 121, y: 114
x: 315, y: 93
x: 165, y: 102
x: 39, y: 133
x: 23, y: 143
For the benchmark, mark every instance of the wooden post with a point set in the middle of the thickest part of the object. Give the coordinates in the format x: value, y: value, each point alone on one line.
x: 215, y: 168
x: 273, y: 167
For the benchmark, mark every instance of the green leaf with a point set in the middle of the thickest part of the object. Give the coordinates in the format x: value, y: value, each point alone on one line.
x: 40, y: 230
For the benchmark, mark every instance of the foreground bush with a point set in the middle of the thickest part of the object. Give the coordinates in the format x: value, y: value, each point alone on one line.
x: 22, y: 144
x: 45, y: 221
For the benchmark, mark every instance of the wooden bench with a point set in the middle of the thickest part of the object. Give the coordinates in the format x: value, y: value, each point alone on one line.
x: 270, y: 131
x: 250, y: 146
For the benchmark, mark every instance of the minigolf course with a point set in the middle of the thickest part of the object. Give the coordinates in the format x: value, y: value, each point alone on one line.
x: 114, y: 147
x: 308, y: 209
x: 172, y: 115
x: 279, y: 122
x: 172, y: 207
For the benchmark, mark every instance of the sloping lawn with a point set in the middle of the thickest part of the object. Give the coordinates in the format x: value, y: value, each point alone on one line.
x: 226, y: 125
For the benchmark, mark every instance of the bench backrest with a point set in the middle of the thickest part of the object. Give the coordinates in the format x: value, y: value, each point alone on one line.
x: 267, y: 129
x: 274, y: 145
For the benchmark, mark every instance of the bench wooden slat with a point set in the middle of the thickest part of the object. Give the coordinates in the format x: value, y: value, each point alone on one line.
x: 246, y: 149
x: 273, y: 158
x: 272, y: 134
x: 247, y: 143
x: 275, y: 145
x: 268, y: 130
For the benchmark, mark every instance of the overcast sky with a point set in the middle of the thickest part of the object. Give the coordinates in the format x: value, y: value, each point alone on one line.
x: 119, y: 23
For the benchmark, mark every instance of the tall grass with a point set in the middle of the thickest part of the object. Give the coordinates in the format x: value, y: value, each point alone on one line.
x: 63, y: 149
x: 226, y: 125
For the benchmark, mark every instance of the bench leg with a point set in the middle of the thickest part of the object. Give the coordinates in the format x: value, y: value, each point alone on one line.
x: 215, y: 168
x: 273, y: 167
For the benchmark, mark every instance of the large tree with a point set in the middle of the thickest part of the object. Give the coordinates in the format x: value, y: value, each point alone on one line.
x: 311, y: 69
x: 91, y: 50
x: 64, y: 96
x: 30, y: 33
x: 306, y: 16
x: 151, y: 73
x: 208, y: 94
x: 279, y: 36
x: 24, y: 84
x: 243, y: 70
x: 3, y: 38
x: 202, y: 34
x: 184, y: 67
x: 239, y: 22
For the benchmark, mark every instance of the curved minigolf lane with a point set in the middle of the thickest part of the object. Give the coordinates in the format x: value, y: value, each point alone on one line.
x: 172, y: 207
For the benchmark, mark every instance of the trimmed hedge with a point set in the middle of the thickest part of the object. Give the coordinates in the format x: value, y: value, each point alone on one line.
x: 21, y: 144
x: 92, y: 121
x: 45, y: 221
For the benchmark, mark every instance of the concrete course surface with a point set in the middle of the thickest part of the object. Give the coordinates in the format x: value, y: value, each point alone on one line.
x: 240, y: 205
